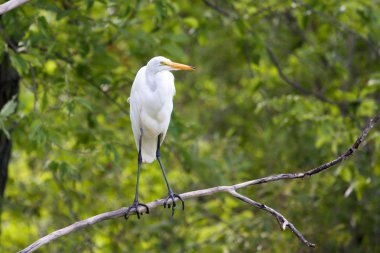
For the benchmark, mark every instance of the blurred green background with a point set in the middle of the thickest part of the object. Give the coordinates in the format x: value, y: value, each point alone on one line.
x: 280, y: 86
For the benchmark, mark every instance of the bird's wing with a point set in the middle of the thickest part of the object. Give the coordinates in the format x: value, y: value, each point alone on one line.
x: 135, y: 104
x: 167, y: 79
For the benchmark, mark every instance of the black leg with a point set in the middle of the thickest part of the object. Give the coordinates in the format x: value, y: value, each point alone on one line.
x: 171, y: 194
x: 136, y: 203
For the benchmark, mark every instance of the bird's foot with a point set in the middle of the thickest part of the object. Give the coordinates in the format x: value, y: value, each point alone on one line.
x: 172, y: 197
x: 135, y: 206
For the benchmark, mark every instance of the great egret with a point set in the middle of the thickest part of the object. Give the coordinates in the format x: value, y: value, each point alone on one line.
x: 151, y: 105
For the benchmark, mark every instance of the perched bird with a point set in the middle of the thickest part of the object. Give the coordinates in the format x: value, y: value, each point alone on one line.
x: 151, y: 106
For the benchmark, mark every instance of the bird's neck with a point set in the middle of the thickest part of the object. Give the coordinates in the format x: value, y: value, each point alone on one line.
x: 150, y: 80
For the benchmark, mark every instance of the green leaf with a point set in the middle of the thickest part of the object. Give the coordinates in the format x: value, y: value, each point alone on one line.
x: 9, y: 108
x: 20, y: 64
x: 3, y: 128
x: 192, y: 22
x: 2, y: 48
x: 38, y: 133
x: 346, y: 174
x: 84, y: 102
x: 53, y: 166
x: 43, y: 25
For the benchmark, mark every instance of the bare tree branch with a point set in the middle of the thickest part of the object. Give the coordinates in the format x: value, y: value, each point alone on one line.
x: 10, y: 5
x: 217, y: 8
x: 284, y: 223
x: 280, y: 218
x: 298, y: 87
x: 152, y: 205
x: 107, y: 95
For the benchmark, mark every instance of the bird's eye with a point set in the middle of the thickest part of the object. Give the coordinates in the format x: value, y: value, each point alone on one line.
x: 162, y: 63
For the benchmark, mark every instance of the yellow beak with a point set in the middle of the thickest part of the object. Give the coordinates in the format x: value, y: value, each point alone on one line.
x: 178, y: 66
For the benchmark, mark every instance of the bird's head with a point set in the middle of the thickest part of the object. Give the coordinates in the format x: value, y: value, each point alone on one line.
x: 160, y: 63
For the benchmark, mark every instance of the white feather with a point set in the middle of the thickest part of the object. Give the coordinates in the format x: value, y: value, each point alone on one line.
x: 151, y: 105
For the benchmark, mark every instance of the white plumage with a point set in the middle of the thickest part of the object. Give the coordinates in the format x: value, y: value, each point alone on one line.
x: 151, y: 103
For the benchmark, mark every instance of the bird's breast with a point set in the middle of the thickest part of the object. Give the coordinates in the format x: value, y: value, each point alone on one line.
x: 155, y: 114
x: 156, y: 99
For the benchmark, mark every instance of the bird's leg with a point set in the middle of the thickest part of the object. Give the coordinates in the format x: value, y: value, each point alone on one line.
x: 136, y: 203
x: 171, y: 194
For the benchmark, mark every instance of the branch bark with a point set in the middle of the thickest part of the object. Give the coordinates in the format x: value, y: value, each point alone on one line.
x: 10, y: 5
x: 232, y: 190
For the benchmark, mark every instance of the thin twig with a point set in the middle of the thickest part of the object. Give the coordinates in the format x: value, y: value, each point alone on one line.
x: 6, y: 37
x: 107, y: 95
x: 280, y: 218
x: 211, y: 191
x: 320, y: 168
x: 74, y: 151
x: 294, y: 84
x: 217, y: 8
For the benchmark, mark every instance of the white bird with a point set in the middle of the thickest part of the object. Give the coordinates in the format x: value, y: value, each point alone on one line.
x: 151, y: 106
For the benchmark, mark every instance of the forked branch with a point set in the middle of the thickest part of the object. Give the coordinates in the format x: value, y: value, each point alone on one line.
x: 284, y: 223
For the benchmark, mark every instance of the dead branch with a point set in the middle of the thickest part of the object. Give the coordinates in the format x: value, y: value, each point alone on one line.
x: 284, y: 223
x: 10, y: 5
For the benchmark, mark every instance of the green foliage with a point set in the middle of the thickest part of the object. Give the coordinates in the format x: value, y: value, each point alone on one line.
x: 235, y: 118
x: 8, y: 109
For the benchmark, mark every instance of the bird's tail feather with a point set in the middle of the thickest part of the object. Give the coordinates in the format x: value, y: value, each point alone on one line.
x: 148, y: 150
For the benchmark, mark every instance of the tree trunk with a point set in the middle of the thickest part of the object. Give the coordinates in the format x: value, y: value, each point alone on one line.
x: 9, y: 86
